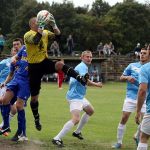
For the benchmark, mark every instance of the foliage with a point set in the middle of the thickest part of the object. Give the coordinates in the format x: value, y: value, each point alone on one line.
x: 125, y: 24
x: 128, y: 24
x: 100, y: 8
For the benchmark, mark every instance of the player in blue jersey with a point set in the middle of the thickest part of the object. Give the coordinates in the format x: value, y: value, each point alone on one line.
x: 131, y: 76
x: 4, y: 71
x: 77, y: 101
x: 144, y: 93
x: 19, y: 87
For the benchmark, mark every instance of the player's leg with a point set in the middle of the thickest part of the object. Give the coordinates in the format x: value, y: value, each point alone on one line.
x: 145, y: 133
x: 75, y: 109
x: 5, y: 109
x: 89, y: 110
x: 136, y: 136
x: 128, y: 107
x: 69, y: 71
x: 35, y: 76
x: 23, y: 94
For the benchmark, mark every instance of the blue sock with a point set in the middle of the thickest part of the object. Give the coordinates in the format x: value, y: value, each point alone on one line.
x: 24, y: 124
x: 21, y: 121
x: 5, y: 110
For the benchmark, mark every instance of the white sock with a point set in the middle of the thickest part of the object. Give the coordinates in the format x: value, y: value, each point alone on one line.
x: 137, y: 134
x: 84, y: 119
x: 66, y: 128
x: 120, y: 132
x: 142, y: 146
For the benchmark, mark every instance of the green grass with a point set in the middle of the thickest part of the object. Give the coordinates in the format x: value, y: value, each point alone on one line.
x: 99, y: 133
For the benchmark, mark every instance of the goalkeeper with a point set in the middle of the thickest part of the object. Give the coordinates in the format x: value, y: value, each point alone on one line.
x: 77, y: 102
x: 36, y: 41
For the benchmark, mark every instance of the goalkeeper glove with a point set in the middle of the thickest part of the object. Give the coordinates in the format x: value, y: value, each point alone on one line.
x: 41, y: 24
x: 52, y: 22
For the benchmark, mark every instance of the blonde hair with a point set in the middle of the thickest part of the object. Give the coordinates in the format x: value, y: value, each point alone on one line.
x: 85, y: 52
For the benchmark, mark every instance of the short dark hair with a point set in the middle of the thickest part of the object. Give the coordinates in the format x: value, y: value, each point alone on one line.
x: 18, y: 39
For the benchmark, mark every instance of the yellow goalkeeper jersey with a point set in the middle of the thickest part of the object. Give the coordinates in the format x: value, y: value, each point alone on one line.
x: 36, y: 53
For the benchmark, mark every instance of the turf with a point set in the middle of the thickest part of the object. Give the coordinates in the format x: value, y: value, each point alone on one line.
x: 99, y: 133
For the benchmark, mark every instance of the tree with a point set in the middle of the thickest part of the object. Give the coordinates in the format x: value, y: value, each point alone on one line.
x: 100, y: 8
x: 128, y: 23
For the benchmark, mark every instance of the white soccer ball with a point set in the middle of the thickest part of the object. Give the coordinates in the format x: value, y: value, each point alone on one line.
x: 44, y: 16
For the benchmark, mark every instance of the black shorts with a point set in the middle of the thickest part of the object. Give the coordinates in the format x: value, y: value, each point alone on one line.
x: 36, y: 72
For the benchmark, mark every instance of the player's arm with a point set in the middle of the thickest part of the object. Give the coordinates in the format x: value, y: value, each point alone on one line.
x: 14, y: 59
x: 140, y: 100
x: 127, y: 78
x: 96, y: 84
x: 8, y: 79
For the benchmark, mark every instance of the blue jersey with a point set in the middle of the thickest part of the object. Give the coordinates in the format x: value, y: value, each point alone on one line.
x: 133, y: 70
x: 144, y: 77
x: 4, y: 69
x: 76, y: 89
x: 20, y: 82
x: 21, y: 66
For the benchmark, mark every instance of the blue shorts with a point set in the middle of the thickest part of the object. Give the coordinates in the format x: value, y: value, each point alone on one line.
x: 20, y: 87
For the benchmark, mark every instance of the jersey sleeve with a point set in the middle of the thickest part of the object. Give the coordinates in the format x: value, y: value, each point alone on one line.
x: 127, y: 70
x: 143, y: 76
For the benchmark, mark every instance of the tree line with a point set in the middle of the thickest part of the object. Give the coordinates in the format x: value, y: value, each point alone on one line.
x: 125, y: 24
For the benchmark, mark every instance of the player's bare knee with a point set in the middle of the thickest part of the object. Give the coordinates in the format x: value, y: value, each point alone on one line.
x: 75, y: 120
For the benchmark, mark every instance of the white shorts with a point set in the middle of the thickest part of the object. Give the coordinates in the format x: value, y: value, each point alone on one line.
x: 2, y: 91
x: 78, y: 104
x: 145, y: 125
x: 130, y: 106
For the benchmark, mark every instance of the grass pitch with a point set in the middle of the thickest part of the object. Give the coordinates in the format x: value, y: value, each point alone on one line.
x: 99, y: 133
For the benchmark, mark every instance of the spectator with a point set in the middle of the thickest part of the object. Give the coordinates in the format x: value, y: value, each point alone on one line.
x: 105, y: 49
x: 70, y: 44
x: 54, y: 48
x: 95, y: 74
x: 100, y: 49
x: 137, y: 50
x: 111, y: 49
x: 2, y: 42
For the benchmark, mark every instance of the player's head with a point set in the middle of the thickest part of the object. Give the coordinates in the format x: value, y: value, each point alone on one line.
x: 17, y: 43
x: 14, y: 51
x: 33, y: 24
x: 144, y: 55
x: 86, y: 57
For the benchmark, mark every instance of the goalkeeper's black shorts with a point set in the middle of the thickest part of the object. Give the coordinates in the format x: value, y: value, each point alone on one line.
x: 36, y: 72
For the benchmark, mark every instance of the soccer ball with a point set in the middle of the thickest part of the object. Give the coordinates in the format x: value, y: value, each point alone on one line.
x: 44, y: 16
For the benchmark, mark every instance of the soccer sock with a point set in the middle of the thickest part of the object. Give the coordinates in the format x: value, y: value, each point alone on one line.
x: 70, y: 71
x: 21, y: 121
x: 84, y: 119
x: 34, y: 107
x: 2, y: 123
x: 137, y: 134
x: 66, y: 128
x: 5, y: 115
x: 24, y: 125
x: 120, y: 132
x: 10, y: 116
x: 142, y: 146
